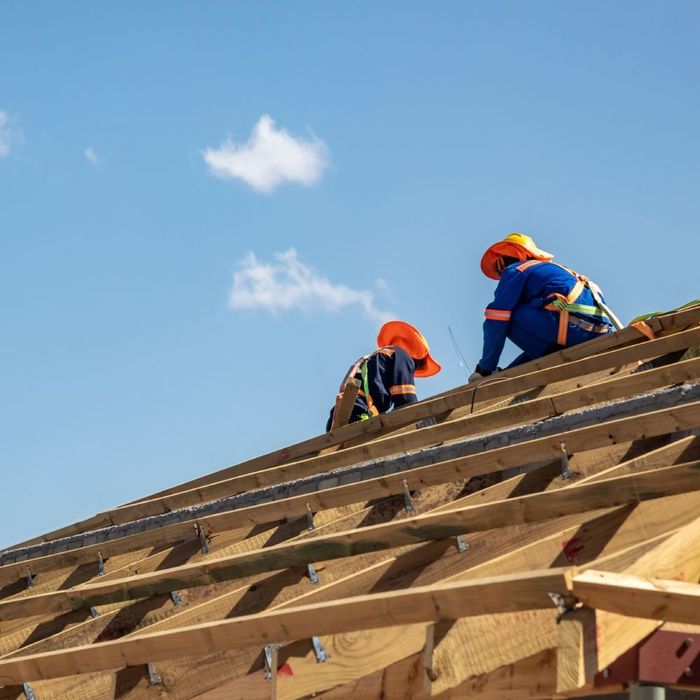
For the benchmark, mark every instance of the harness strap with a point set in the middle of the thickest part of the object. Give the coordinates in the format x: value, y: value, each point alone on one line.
x: 360, y: 367
x: 365, y: 386
x: 566, y: 305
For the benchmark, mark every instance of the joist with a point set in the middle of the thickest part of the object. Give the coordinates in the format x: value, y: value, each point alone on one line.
x: 592, y: 348
x: 654, y: 423
x: 228, y: 668
x: 477, y: 645
x: 349, y: 658
x: 678, y: 557
x: 606, y: 493
x: 502, y: 387
x: 432, y: 435
x: 489, y: 469
x: 428, y: 604
x: 384, y: 574
x: 633, y: 596
x: 200, y: 673
x: 671, y: 453
x: 662, y: 326
x: 307, y: 470
x: 471, y: 648
x: 519, y: 413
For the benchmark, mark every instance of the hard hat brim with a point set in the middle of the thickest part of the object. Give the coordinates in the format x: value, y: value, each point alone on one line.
x: 512, y: 249
x: 412, y: 341
x: 431, y: 367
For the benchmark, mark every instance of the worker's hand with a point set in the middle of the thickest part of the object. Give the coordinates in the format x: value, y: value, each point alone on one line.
x: 478, y: 374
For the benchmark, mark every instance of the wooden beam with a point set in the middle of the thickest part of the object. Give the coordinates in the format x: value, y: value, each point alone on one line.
x: 663, y: 325
x: 357, y: 654
x: 442, y: 525
x: 353, y: 653
x: 575, y: 649
x: 470, y: 648
x: 85, y: 696
x: 650, y: 424
x: 519, y: 413
x: 90, y: 696
x: 347, y: 660
x: 393, y: 420
x: 219, y: 545
x: 592, y: 348
x: 344, y: 407
x: 486, y: 391
x: 679, y: 557
x: 633, y: 596
x: 425, y: 604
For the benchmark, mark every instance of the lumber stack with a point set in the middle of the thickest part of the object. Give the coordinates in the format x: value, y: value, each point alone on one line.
x: 544, y: 524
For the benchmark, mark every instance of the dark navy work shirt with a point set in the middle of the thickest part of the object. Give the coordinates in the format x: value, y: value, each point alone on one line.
x: 391, y: 383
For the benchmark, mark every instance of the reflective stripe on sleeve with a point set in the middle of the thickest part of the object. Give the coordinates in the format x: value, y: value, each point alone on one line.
x: 497, y: 315
x: 400, y: 389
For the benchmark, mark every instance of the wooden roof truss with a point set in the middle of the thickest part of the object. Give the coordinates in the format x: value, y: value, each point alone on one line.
x: 509, y: 539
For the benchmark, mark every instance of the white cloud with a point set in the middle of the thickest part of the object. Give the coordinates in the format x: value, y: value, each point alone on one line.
x: 9, y: 134
x: 91, y: 155
x: 288, y: 284
x: 269, y: 157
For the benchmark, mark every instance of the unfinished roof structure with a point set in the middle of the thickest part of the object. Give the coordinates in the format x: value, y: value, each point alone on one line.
x: 535, y: 535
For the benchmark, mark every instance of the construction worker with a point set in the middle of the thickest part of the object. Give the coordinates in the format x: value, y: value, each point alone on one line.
x: 540, y: 305
x: 387, y: 375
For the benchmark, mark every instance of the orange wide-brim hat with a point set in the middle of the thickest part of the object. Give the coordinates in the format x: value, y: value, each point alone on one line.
x: 412, y: 341
x: 515, y: 245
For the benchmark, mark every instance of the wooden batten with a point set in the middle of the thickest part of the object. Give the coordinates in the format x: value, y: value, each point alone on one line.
x: 538, y: 526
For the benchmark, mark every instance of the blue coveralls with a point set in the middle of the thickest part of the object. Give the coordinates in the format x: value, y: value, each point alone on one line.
x: 390, y: 381
x: 517, y: 312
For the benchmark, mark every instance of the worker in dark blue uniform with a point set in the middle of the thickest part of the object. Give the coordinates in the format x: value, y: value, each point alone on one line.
x: 387, y: 375
x: 539, y: 305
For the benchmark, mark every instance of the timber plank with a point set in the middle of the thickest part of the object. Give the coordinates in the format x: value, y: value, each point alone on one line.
x: 628, y: 336
x: 633, y: 596
x: 425, y: 604
x: 622, y: 430
x: 615, y: 388
x: 242, y: 479
x: 199, y: 678
x: 380, y: 571
x: 438, y: 433
x: 677, y: 557
x: 611, y: 492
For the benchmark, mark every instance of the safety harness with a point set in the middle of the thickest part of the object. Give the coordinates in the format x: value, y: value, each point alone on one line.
x: 565, y: 305
x: 360, y: 367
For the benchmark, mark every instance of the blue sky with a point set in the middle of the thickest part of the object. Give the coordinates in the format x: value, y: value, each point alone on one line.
x: 405, y: 137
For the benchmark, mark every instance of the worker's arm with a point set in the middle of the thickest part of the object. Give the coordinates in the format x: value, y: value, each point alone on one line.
x: 497, y: 316
x: 401, y: 383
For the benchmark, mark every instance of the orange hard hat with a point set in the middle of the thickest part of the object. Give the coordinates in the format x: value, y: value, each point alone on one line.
x: 410, y: 339
x: 514, y: 245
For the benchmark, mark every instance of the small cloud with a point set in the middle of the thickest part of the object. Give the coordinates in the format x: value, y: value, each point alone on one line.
x: 289, y: 284
x: 269, y: 157
x: 385, y: 289
x: 10, y: 134
x: 90, y: 154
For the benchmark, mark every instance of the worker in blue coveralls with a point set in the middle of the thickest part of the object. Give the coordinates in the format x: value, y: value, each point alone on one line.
x: 387, y: 375
x: 540, y: 305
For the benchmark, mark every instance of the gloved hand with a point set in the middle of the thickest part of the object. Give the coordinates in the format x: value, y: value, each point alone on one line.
x: 478, y: 374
